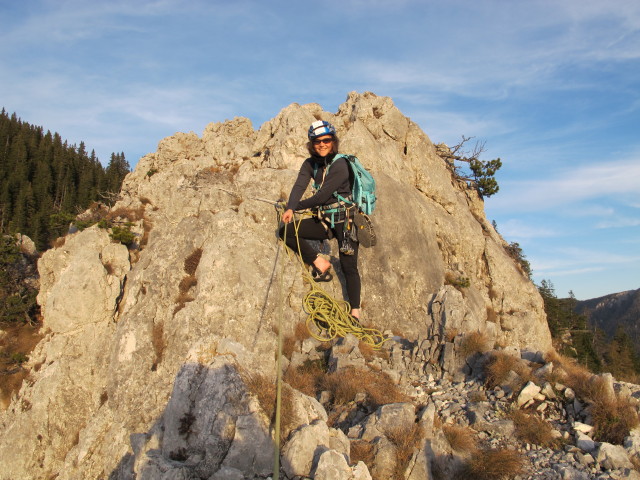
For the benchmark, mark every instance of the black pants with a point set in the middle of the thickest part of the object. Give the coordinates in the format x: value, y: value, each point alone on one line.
x: 313, y: 229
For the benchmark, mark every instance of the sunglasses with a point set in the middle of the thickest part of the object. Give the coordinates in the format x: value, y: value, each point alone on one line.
x: 322, y: 140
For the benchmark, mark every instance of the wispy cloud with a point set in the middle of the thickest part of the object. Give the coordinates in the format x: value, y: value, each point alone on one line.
x: 619, y: 222
x: 573, y: 260
x: 579, y: 183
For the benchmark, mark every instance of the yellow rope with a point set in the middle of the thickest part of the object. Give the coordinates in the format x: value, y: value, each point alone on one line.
x: 328, y: 317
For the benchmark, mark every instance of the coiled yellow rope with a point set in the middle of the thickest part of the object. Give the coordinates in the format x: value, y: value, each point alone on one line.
x: 327, y: 317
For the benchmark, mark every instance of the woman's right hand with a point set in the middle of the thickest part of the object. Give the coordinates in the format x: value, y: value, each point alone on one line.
x: 287, y: 216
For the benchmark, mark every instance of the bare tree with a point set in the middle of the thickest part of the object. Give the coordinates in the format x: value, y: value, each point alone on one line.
x: 481, y: 173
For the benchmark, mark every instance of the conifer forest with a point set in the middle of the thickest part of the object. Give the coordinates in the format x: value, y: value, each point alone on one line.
x: 45, y: 182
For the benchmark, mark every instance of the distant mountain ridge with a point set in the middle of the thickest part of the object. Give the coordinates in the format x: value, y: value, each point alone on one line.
x: 609, y: 311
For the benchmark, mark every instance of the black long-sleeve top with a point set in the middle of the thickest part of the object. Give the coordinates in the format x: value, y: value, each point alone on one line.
x: 337, y: 180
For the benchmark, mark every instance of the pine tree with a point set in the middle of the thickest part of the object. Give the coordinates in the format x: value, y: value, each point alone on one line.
x: 117, y: 169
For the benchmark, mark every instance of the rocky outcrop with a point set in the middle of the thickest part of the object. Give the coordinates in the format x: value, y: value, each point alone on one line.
x: 130, y: 330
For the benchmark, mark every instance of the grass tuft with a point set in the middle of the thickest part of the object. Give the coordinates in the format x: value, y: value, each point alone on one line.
x: 406, y: 439
x: 380, y: 389
x: 475, y: 342
x: 498, y: 368
x: 613, y: 416
x: 362, y: 451
x: 264, y: 390
x: 460, y: 438
x: 614, y: 419
x: 307, y: 377
x: 533, y: 429
x: 192, y: 261
x: 489, y: 464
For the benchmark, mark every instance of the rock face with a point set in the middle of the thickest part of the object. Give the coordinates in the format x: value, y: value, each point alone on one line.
x: 127, y: 327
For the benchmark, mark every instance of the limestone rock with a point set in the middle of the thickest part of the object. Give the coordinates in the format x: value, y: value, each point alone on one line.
x: 128, y: 329
x: 528, y: 393
x: 613, y: 456
x: 301, y: 453
x: 333, y: 466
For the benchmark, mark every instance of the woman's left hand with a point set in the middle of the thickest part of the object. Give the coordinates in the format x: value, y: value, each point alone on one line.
x: 287, y: 216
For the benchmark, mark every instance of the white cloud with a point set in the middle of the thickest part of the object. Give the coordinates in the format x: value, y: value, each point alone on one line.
x: 619, y: 222
x: 568, y: 187
x: 560, y: 272
x: 571, y: 258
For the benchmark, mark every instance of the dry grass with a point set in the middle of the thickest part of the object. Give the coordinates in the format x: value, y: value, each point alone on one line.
x: 108, y: 268
x: 614, y: 419
x: 378, y: 387
x: 450, y: 334
x: 288, y: 346
x: 406, y: 439
x: 16, y: 344
x: 159, y: 344
x: 370, y: 353
x: 147, y: 225
x: 461, y: 439
x: 475, y: 342
x: 533, y: 429
x: 58, y: 242
x: 493, y: 293
x: 498, y: 368
x: 181, y: 300
x: 130, y: 214
x: 187, y: 283
x: 571, y: 374
x: 362, y: 451
x: 264, y: 389
x: 477, y: 396
x: 307, y: 378
x: 492, y: 316
x: 192, y: 261
x: 457, y: 281
x: 489, y: 464
x: 290, y: 342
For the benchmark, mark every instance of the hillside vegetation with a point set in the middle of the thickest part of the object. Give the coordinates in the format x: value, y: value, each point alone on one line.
x: 599, y: 351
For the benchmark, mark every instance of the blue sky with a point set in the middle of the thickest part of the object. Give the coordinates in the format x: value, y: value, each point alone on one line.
x: 551, y: 87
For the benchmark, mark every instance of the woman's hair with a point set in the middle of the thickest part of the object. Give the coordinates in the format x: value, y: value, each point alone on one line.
x: 334, y: 147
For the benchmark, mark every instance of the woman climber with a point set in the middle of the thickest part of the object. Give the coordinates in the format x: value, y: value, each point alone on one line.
x: 331, y: 219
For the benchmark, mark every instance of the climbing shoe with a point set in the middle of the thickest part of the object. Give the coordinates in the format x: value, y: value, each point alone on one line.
x: 319, y: 276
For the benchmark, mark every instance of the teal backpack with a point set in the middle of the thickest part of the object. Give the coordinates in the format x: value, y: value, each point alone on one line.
x: 363, y: 185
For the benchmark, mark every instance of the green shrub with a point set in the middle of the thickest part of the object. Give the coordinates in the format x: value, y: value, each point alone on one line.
x: 18, y: 358
x: 122, y: 235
